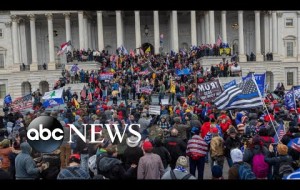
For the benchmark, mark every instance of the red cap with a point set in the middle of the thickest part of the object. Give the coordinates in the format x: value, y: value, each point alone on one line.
x: 214, y: 130
x: 77, y: 156
x: 147, y: 145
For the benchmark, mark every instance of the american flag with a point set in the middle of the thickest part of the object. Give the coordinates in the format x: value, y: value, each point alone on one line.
x: 22, y: 103
x: 242, y: 95
x: 219, y: 41
x: 295, y: 144
x: 280, y: 132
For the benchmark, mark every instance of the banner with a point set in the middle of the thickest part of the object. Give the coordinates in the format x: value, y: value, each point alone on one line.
x: 185, y: 71
x: 229, y: 84
x: 106, y: 76
x: 290, y: 96
x: 210, y: 90
x: 146, y: 89
x: 22, y: 103
x: 53, y: 94
x: 260, y: 80
x: 154, y: 110
x: 146, y: 72
x: 53, y: 102
x: 164, y: 101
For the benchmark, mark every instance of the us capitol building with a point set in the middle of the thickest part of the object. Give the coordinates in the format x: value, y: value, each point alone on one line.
x: 34, y: 37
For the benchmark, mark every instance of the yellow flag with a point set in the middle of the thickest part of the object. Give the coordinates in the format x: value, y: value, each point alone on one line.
x: 148, y: 50
x: 76, y: 104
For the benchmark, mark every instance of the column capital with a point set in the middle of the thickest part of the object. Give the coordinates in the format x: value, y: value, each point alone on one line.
x: 273, y: 12
x: 279, y: 14
x: 14, y: 18
x: 8, y: 24
x: 100, y: 12
x: 67, y: 15
x: 49, y: 16
x: 240, y: 12
x: 136, y: 12
x: 31, y: 17
x: 267, y: 12
x: 256, y: 12
x: 223, y: 12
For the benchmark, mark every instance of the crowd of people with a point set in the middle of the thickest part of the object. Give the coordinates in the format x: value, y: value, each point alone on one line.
x: 176, y: 143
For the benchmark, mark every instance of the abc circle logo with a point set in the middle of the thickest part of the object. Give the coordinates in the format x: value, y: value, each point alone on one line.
x: 45, y: 134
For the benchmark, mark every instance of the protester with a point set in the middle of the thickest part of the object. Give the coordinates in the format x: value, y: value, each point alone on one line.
x: 180, y: 171
x: 73, y: 171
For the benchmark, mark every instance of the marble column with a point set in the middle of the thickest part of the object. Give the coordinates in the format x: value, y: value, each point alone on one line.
x: 68, y: 29
x: 224, y: 31
x: 120, y: 40
x: 274, y: 36
x: 298, y: 34
x: 16, y: 53
x: 138, y: 41
x: 259, y: 56
x: 175, y: 31
x: 193, y: 29
x: 81, y: 32
x: 212, y: 35
x: 100, y: 31
x: 51, y: 64
x: 34, y: 64
x: 242, y: 56
x: 207, y: 41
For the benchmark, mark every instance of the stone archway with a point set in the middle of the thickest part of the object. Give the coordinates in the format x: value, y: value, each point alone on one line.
x: 146, y: 46
x: 44, y: 87
x: 270, y: 81
x: 26, y: 88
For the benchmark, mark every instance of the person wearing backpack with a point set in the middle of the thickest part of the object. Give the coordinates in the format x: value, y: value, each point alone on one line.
x: 282, y: 163
x: 180, y: 172
x: 255, y: 155
x: 239, y: 170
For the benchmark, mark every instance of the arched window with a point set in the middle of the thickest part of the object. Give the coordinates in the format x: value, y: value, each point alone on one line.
x: 44, y: 87
x: 26, y: 88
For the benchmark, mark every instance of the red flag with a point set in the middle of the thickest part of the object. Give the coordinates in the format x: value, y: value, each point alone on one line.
x: 219, y: 41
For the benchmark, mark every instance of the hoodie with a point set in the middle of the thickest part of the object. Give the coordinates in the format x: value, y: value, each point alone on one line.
x: 25, y: 166
x: 111, y: 168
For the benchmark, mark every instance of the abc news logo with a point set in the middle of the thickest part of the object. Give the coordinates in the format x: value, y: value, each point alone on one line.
x: 45, y: 134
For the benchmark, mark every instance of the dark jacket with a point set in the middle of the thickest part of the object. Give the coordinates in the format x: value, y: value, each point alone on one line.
x: 231, y: 143
x: 276, y: 161
x: 175, y: 146
x: 25, y: 166
x: 132, y: 155
x: 112, y: 168
x: 4, y: 174
x: 162, y: 152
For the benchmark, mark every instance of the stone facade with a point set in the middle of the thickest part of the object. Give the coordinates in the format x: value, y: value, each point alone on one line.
x: 17, y: 23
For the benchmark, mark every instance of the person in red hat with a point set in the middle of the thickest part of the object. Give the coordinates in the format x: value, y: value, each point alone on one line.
x: 73, y: 171
x: 150, y: 165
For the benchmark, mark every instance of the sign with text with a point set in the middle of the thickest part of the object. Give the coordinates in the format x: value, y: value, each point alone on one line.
x: 210, y: 90
x: 154, y: 110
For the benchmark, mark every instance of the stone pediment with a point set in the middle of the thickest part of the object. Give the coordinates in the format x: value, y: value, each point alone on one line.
x: 289, y: 37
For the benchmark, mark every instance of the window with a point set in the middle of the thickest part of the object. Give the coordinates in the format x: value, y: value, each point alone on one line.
x: 1, y: 33
x: 289, y: 22
x: 1, y: 61
x: 289, y: 49
x: 2, y: 91
x: 290, y: 78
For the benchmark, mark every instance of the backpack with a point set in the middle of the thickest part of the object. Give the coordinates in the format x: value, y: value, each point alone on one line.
x: 245, y: 172
x: 187, y: 176
x: 260, y: 167
x: 285, y: 169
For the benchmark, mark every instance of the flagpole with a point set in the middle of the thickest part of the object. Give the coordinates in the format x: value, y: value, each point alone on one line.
x: 264, y: 106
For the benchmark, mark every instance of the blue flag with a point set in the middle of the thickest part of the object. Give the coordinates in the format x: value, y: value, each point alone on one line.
x: 53, y: 102
x: 229, y: 84
x: 7, y: 99
x: 260, y: 81
x: 289, y: 100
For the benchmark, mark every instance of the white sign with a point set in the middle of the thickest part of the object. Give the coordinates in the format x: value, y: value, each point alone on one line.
x: 165, y: 101
x: 154, y: 110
